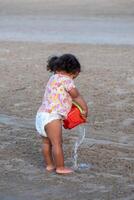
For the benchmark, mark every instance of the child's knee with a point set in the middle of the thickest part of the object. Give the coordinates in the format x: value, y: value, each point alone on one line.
x: 57, y: 143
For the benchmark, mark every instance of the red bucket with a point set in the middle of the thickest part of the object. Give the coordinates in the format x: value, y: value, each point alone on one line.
x: 74, y: 117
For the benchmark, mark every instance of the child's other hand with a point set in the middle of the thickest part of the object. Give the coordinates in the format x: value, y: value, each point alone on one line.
x: 84, y: 114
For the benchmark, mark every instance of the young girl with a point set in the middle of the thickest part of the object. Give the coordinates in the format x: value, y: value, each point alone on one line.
x: 59, y: 93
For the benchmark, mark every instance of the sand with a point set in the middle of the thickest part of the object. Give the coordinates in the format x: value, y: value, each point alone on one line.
x: 73, y: 8
x: 106, y: 82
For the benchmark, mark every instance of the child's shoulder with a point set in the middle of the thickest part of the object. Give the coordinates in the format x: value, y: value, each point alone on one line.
x: 64, y: 79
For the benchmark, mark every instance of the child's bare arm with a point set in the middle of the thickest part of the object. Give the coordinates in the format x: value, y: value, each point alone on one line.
x: 74, y: 93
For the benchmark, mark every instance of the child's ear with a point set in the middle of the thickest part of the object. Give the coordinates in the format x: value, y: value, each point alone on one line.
x: 75, y: 75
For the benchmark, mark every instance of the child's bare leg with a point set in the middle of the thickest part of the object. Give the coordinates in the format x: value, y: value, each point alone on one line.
x: 47, y: 153
x: 54, y: 133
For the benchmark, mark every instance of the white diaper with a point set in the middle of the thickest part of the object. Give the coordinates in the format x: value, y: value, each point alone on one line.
x: 42, y: 119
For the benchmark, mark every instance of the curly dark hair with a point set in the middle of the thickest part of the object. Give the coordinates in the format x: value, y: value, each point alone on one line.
x: 66, y: 62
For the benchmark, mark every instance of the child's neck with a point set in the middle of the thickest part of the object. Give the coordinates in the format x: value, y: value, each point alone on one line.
x: 64, y: 73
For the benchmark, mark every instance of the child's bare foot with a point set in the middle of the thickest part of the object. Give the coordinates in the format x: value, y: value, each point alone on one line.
x: 64, y: 171
x: 50, y: 168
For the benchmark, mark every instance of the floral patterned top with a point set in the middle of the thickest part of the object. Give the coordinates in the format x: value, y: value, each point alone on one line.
x: 56, y: 98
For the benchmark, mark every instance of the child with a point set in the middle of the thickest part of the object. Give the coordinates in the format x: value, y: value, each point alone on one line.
x: 57, y: 102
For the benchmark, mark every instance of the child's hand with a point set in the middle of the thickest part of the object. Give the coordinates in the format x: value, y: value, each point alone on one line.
x: 84, y: 114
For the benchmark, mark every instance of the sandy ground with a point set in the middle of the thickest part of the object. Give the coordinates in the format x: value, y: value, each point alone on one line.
x: 71, y: 8
x: 106, y: 82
